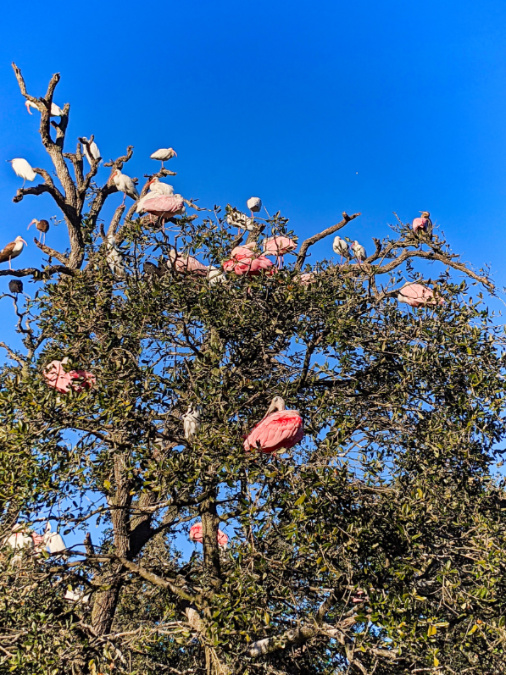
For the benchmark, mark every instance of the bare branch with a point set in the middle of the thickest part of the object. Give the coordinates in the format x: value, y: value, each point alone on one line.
x: 321, y: 235
x: 51, y: 252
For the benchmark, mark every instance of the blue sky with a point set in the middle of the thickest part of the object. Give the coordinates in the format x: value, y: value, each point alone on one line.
x: 315, y: 107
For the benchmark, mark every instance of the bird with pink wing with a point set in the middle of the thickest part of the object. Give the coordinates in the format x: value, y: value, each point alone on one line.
x: 279, y: 428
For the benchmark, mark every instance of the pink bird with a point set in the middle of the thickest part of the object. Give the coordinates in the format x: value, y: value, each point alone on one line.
x: 246, y: 261
x: 197, y: 536
x: 279, y: 428
x: 186, y: 264
x: 164, y: 206
x: 57, y: 378
x: 306, y: 278
x: 423, y: 223
x: 278, y: 246
x: 416, y: 295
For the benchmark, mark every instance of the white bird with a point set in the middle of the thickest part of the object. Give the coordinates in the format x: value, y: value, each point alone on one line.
x: 340, y: 246
x: 114, y: 258
x: 22, y: 169
x: 164, y: 154
x: 191, y: 423
x: 254, y: 204
x: 90, y: 150
x: 124, y: 184
x: 56, y: 111
x: 19, y: 539
x: 358, y: 251
x: 236, y: 218
x: 12, y: 250
x: 74, y: 596
x: 216, y: 275
x: 53, y: 540
x: 159, y: 188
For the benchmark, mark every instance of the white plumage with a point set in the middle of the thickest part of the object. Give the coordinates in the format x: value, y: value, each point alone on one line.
x: 254, y: 204
x: 74, y: 596
x: 90, y: 150
x: 22, y: 169
x: 191, y: 423
x: 340, y: 246
x: 114, y: 258
x: 56, y: 111
x: 53, y: 540
x: 19, y: 539
x: 216, y: 275
x: 164, y: 154
x: 236, y: 218
x: 359, y: 251
x: 124, y: 184
x: 159, y: 188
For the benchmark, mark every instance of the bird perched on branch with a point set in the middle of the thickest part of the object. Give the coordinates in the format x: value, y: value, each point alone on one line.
x: 236, y: 218
x: 417, y: 295
x: 197, y: 536
x: 15, y: 286
x: 279, y: 428
x: 12, y: 250
x: 278, y: 246
x: 423, y: 224
x: 157, y: 187
x: 254, y: 204
x: 42, y: 226
x: 186, y: 264
x: 53, y: 540
x: 215, y: 275
x: 358, y: 251
x: 340, y: 246
x: 22, y: 169
x: 90, y: 149
x: 191, y: 423
x: 164, y: 154
x: 56, y: 111
x: 123, y: 184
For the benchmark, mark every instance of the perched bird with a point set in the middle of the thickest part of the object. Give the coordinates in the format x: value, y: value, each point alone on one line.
x: 197, y: 536
x: 53, y: 541
x: 215, y: 275
x: 15, y: 286
x: 163, y: 206
x: 77, y: 596
x: 417, y: 295
x: 114, y: 258
x: 124, y: 184
x: 22, y: 169
x: 90, y: 150
x: 423, y: 224
x: 12, y: 250
x: 306, y: 278
x: 278, y: 246
x: 340, y: 246
x: 163, y: 155
x: 254, y: 204
x: 42, y: 226
x: 236, y: 218
x: 279, y: 428
x: 160, y: 188
x: 191, y: 422
x: 152, y: 270
x: 246, y: 261
x: 58, y: 379
x: 56, y: 111
x: 358, y: 251
x: 185, y: 264
x: 21, y: 537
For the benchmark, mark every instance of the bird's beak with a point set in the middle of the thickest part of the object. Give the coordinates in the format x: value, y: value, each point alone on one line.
x: 24, y: 242
x: 33, y: 221
x: 28, y: 108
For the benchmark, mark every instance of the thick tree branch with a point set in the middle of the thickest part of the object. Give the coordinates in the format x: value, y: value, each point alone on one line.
x: 321, y: 235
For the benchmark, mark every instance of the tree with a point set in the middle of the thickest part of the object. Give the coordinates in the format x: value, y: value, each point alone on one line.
x: 376, y: 545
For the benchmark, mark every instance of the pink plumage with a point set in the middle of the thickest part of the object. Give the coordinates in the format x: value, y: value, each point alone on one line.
x: 416, y: 295
x: 197, y: 536
x: 186, y: 264
x: 306, y: 279
x: 280, y: 428
x: 164, y: 206
x: 420, y: 224
x: 278, y: 246
x: 246, y: 261
x: 57, y: 378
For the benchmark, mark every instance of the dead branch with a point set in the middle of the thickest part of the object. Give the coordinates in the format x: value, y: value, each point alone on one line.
x: 321, y: 235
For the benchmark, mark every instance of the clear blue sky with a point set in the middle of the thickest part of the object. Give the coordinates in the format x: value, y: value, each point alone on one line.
x: 316, y: 107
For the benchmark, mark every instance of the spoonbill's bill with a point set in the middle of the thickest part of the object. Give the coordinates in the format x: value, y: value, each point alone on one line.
x: 22, y: 169
x: 90, y: 150
x: 279, y: 428
x: 12, y: 250
x: 15, y: 286
x: 191, y: 423
x: 197, y: 536
x: 358, y: 251
x: 278, y: 246
x: 417, y: 295
x: 164, y: 154
x: 124, y: 184
x: 246, y: 261
x: 58, y: 379
x: 42, y: 226
x: 56, y: 111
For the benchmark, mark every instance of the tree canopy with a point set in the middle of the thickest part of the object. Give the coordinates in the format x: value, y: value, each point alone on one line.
x: 376, y: 544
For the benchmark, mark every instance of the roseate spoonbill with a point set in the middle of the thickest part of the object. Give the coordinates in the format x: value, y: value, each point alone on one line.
x: 42, y: 226
x: 164, y: 154
x: 90, y: 150
x: 236, y: 218
x: 278, y: 246
x: 56, y: 111
x: 186, y: 264
x: 246, y: 261
x: 12, y: 250
x: 191, y: 423
x: 15, y: 286
x: 416, y: 295
x: 306, y: 278
x: 197, y: 536
x: 340, y: 246
x: 279, y: 428
x: 58, y: 379
x: 114, y: 258
x: 123, y: 184
x: 53, y: 540
x: 215, y: 275
x: 358, y: 251
x: 22, y: 169
x: 164, y: 206
x: 423, y: 224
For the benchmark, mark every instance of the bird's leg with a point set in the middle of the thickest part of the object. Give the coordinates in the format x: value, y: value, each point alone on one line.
x: 124, y: 197
x: 10, y: 264
x: 162, y: 165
